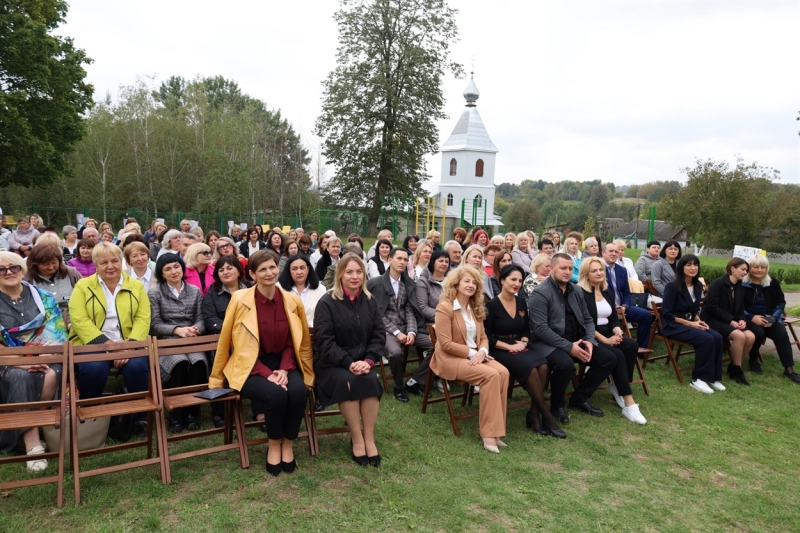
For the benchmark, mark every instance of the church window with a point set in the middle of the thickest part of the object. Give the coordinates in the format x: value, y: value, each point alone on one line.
x: 450, y: 199
x: 479, y: 168
x: 453, y: 166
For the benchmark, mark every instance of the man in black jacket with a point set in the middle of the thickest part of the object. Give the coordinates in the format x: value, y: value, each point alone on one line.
x: 394, y: 293
x: 563, y: 331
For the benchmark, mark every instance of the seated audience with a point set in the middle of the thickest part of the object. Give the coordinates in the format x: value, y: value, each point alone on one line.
x: 474, y: 258
x: 623, y: 261
x: 454, y: 252
x: 663, y: 271
x: 421, y: 258
x: 462, y: 351
x: 252, y: 244
x: 199, y: 266
x: 46, y: 269
x: 70, y: 242
x: 680, y: 318
x: 110, y: 306
x: 305, y: 245
x: 271, y: 365
x: 177, y: 311
x: 540, y: 271
x: 480, y: 237
x: 349, y: 339
x: 329, y: 257
x: 314, y: 236
x: 139, y: 268
x: 383, y: 234
x: 723, y: 311
x: 557, y: 246
x: 563, y: 331
x: 235, y: 233
x: 83, y: 261
x: 197, y: 231
x: 275, y: 242
x: 226, y: 246
x: 508, y: 329
x: 489, y: 254
x: 298, y: 277
x: 764, y: 305
x: 609, y: 337
x: 170, y: 243
x: 21, y: 239
x: 428, y: 289
x: 510, y: 241
x: 434, y: 237
x: 546, y: 247
x: 523, y: 254
x: 187, y: 239
x: 591, y: 248
x: 572, y: 249
x: 617, y: 279
x: 501, y: 259
x: 460, y: 236
x: 378, y: 263
x: 395, y: 295
x: 644, y: 265
x: 321, y: 246
x: 211, y: 240
x: 29, y: 315
x: 410, y: 244
x: 291, y: 248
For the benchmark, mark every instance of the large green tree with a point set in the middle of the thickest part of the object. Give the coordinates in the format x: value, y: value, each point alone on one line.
x: 726, y: 206
x: 523, y: 215
x: 42, y: 93
x: 383, y: 99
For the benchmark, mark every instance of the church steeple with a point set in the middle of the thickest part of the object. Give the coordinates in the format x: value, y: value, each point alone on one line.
x: 470, y: 133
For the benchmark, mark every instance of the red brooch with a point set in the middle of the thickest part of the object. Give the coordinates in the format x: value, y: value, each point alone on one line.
x: 522, y: 314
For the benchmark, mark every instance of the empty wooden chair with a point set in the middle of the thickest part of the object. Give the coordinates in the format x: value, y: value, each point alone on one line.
x: 148, y: 402
x: 181, y: 397
x: 38, y: 414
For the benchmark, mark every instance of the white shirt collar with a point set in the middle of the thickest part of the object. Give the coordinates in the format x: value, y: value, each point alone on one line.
x: 457, y: 306
x: 105, y: 287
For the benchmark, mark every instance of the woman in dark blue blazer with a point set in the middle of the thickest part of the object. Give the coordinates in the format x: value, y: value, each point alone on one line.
x: 680, y: 321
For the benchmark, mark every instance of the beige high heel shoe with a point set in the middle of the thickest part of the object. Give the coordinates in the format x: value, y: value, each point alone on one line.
x: 490, y: 447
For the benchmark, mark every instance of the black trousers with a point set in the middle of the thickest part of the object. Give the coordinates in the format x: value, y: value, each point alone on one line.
x: 625, y: 353
x: 396, y: 359
x: 777, y: 334
x: 600, y: 366
x: 421, y: 374
x: 183, y: 375
x: 283, y: 409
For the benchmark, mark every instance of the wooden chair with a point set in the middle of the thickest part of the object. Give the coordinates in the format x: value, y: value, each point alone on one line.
x: 148, y: 402
x: 40, y: 414
x: 648, y: 287
x: 182, y: 397
x: 466, y: 394
x: 312, y: 415
x: 674, y: 347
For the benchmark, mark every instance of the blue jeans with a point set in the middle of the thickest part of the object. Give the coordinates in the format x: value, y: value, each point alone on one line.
x: 92, y: 377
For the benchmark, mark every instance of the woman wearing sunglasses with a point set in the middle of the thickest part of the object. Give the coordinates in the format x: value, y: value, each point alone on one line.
x: 199, y: 267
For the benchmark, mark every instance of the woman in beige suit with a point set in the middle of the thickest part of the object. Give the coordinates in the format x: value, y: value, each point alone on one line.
x: 462, y: 351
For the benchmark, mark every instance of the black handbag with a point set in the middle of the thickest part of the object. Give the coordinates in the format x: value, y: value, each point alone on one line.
x: 639, y: 299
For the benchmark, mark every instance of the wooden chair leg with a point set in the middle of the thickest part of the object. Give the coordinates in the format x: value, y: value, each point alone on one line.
x: 76, y: 472
x: 428, y: 381
x: 451, y: 411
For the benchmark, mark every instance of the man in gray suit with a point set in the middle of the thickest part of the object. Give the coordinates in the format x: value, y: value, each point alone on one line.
x: 394, y: 293
x: 563, y: 331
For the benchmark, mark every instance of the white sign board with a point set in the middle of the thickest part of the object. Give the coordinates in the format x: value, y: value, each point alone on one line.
x: 230, y: 224
x: 243, y: 225
x: 746, y: 252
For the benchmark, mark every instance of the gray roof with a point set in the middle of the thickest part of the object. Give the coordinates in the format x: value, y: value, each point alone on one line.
x: 663, y: 231
x: 470, y: 133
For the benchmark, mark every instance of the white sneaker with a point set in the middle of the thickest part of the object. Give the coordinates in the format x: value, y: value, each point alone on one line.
x: 615, y: 393
x: 718, y: 386
x: 477, y: 389
x: 37, y: 465
x: 385, y: 361
x: 633, y: 414
x: 702, y: 386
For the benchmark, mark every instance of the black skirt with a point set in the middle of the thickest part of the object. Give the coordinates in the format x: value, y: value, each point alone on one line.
x: 518, y: 364
x: 336, y: 384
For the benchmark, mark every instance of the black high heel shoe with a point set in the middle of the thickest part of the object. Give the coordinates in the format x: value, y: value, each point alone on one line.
x: 289, y: 467
x: 273, y: 469
x: 360, y: 460
x: 530, y: 421
x: 375, y: 461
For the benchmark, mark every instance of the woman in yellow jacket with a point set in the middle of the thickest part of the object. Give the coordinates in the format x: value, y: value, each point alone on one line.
x: 264, y: 352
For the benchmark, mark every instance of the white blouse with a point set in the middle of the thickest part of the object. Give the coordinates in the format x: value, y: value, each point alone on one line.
x: 603, y: 312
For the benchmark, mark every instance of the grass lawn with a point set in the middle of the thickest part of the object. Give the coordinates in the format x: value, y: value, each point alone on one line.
x: 721, y: 462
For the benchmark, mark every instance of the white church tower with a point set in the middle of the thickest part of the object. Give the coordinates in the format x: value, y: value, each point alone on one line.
x: 467, y: 175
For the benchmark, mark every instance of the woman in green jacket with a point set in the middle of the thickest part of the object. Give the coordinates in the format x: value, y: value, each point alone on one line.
x: 110, y: 306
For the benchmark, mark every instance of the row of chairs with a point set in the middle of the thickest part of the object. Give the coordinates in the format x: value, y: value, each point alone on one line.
x: 155, y: 403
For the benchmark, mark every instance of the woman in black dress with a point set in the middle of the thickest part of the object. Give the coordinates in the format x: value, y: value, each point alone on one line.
x: 723, y: 311
x: 508, y: 329
x: 608, y: 333
x: 349, y: 339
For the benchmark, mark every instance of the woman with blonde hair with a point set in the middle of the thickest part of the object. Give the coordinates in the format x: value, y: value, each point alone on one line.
x: 572, y: 247
x: 524, y: 252
x: 497, y: 240
x: 624, y: 261
x: 36, y: 221
x: 421, y: 257
x: 474, y: 258
x: 608, y: 333
x: 434, y: 237
x: 462, y: 351
x: 199, y: 266
x: 137, y: 257
x: 509, y: 241
x: 540, y: 271
x: 349, y: 337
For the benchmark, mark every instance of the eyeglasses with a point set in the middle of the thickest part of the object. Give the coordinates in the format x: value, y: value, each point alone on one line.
x: 223, y: 246
x: 14, y: 269
x: 206, y: 253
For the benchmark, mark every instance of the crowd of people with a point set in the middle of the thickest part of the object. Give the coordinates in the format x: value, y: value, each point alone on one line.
x: 504, y: 309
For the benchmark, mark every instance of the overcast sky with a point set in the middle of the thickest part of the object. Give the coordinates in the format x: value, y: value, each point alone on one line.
x: 626, y: 92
